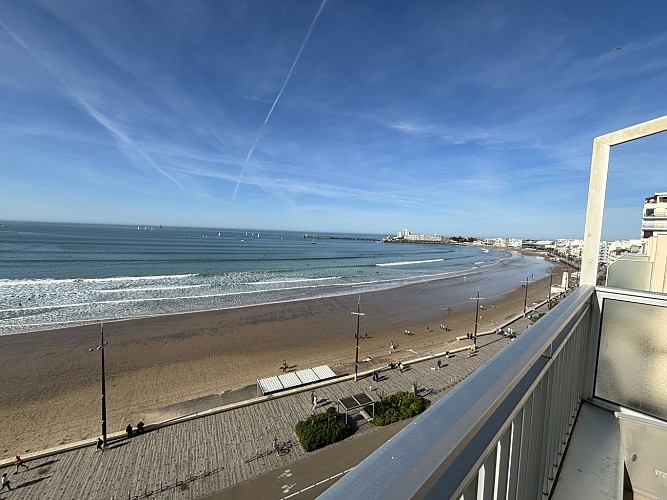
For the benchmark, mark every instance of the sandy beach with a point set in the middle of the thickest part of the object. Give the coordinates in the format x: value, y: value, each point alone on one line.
x: 51, y: 382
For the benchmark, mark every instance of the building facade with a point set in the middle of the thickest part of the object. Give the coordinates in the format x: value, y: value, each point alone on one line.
x: 654, y: 217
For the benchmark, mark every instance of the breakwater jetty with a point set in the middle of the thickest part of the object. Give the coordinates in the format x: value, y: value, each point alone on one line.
x: 332, y: 237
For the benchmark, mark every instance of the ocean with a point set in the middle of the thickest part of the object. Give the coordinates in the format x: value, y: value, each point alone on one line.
x: 58, y: 275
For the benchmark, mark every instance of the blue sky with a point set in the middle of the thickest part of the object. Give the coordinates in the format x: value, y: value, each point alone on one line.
x: 449, y: 117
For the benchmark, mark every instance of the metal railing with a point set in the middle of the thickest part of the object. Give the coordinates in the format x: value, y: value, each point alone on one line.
x: 654, y: 224
x: 502, y: 432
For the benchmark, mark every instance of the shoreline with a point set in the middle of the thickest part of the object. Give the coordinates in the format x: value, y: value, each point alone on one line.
x: 155, y: 366
x: 20, y: 328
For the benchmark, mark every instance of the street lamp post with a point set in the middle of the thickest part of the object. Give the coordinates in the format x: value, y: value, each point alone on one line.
x: 551, y: 279
x: 358, y: 314
x: 477, y: 299
x: 525, y: 297
x: 100, y: 348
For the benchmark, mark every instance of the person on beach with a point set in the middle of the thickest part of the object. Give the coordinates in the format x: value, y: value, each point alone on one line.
x: 100, y: 445
x: 128, y: 429
x: 284, y: 366
x: 392, y: 348
x: 18, y: 461
x: 5, y: 482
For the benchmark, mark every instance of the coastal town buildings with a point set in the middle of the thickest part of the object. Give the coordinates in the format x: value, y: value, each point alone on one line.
x: 504, y: 242
x: 569, y: 248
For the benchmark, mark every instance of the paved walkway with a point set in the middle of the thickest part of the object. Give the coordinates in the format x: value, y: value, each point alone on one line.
x: 196, y: 458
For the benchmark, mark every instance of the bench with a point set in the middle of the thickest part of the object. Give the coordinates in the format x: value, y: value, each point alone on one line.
x: 366, y: 416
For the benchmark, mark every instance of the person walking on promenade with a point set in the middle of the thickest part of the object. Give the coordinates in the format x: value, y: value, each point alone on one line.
x: 100, y: 445
x: 314, y: 401
x: 5, y: 482
x: 128, y: 429
x: 19, y: 463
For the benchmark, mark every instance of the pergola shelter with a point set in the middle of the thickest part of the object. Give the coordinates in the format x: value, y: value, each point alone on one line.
x: 355, y: 402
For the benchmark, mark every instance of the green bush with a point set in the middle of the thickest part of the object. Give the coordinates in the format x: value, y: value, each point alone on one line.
x: 398, y: 406
x: 322, y: 429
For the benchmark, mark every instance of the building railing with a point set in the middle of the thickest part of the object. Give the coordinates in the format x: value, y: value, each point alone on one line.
x: 654, y: 224
x: 500, y: 433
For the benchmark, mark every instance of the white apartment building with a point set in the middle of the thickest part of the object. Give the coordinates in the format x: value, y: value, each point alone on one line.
x: 603, y: 255
x: 569, y: 248
x: 406, y: 235
x: 654, y: 216
x: 504, y: 242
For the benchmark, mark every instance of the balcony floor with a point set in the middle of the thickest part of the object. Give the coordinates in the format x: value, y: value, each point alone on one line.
x: 592, y: 468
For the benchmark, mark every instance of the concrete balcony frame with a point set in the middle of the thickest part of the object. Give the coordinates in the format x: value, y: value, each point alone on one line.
x: 598, y: 186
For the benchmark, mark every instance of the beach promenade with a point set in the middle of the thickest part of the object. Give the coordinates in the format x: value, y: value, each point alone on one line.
x: 198, y: 457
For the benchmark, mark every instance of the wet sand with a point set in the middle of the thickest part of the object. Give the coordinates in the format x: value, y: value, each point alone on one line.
x: 51, y: 382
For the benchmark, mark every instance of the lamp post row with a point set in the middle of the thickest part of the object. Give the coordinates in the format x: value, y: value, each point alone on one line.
x: 357, y: 313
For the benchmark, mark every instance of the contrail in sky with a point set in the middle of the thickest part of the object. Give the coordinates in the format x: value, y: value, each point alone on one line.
x: 266, y: 120
x: 94, y: 113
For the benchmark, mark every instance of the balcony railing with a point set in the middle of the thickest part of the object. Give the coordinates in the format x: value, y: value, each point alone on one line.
x: 654, y: 224
x: 501, y: 432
